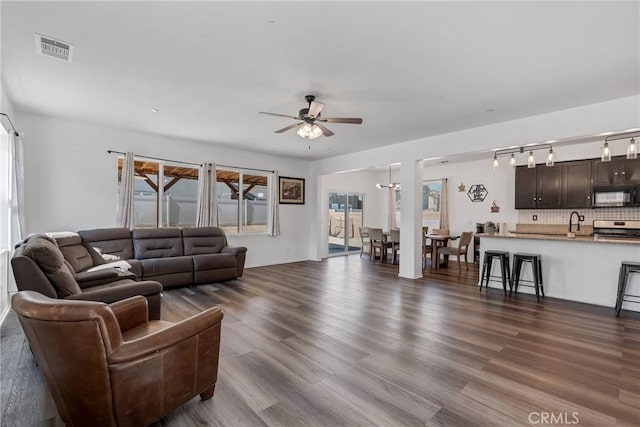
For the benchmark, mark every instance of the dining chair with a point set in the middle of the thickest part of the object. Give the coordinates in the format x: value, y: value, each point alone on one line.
x: 426, y: 248
x: 395, y: 244
x: 378, y: 243
x: 461, y: 249
x: 365, y: 240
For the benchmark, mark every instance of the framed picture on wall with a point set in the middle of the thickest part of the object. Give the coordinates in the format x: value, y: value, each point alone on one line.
x: 291, y: 191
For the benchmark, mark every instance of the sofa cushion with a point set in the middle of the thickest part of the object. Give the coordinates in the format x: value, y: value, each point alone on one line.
x: 50, y: 260
x: 203, y: 240
x: 213, y: 261
x: 75, y: 253
x: 159, y: 266
x: 114, y: 241
x: 119, y: 290
x: 157, y: 243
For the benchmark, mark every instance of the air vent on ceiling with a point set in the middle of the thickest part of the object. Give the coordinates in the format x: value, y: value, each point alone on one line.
x: 54, y: 48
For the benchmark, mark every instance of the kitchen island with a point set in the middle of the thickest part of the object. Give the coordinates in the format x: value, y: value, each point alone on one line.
x: 583, y: 269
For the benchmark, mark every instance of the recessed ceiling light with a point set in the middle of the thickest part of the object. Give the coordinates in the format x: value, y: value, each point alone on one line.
x: 154, y: 110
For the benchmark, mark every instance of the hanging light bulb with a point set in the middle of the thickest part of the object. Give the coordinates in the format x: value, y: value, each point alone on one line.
x: 512, y: 160
x: 632, y: 150
x: 531, y: 160
x: 550, y: 157
x: 496, y: 164
x: 606, y: 152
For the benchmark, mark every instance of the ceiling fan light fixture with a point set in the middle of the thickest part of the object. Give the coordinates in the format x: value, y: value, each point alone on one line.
x: 309, y: 131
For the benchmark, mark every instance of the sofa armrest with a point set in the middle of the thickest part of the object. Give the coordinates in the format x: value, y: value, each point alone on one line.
x: 167, y: 337
x: 131, y: 312
x: 235, y: 250
x: 88, y: 279
x: 240, y: 252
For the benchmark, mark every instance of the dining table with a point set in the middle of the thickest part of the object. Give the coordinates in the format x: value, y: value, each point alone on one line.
x: 439, y: 241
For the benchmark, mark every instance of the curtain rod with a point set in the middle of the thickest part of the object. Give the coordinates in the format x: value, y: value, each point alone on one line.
x: 15, y: 132
x: 188, y: 163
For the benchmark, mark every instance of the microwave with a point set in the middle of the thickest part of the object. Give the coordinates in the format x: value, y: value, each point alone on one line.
x: 609, y: 197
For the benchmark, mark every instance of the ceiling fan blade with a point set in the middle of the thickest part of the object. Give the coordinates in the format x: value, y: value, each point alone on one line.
x: 295, y: 125
x: 280, y: 115
x: 315, y: 108
x: 356, y: 121
x: 325, y: 131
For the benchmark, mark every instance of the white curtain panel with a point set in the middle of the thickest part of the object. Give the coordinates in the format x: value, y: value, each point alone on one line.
x: 17, y: 229
x: 207, y: 197
x: 444, y: 204
x: 274, y: 224
x: 124, y: 216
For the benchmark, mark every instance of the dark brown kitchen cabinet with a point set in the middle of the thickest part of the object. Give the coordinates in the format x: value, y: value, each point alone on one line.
x: 549, y: 186
x: 619, y: 170
x: 577, y: 184
x: 526, y: 188
x: 632, y: 169
x: 539, y: 187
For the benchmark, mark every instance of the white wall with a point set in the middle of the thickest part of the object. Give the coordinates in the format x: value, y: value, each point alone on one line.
x: 615, y: 115
x: 71, y: 180
x: 463, y: 213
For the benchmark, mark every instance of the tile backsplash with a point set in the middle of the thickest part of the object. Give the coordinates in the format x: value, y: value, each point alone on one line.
x: 561, y: 216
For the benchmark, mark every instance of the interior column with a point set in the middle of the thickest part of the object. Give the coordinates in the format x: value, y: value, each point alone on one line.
x: 411, y: 219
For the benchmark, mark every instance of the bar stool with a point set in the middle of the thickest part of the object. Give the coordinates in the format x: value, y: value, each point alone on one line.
x: 626, y: 268
x: 536, y: 268
x: 503, y: 257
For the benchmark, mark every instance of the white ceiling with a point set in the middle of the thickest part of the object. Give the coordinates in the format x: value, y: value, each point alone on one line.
x: 410, y: 70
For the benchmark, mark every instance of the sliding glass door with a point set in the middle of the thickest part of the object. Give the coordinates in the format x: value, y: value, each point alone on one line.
x: 345, y: 219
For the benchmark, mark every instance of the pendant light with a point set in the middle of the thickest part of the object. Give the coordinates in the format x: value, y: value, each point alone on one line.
x: 606, y: 152
x: 632, y: 150
x: 390, y: 185
x: 512, y: 161
x: 496, y: 165
x: 550, y: 161
x: 531, y: 160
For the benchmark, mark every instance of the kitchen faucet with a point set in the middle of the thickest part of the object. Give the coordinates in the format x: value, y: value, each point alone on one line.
x: 571, y: 217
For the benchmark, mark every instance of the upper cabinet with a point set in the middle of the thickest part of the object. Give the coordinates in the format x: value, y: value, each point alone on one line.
x: 539, y: 187
x: 562, y: 186
x: 619, y: 170
x: 577, y: 184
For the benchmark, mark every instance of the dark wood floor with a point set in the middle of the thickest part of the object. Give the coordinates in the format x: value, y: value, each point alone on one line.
x: 346, y: 342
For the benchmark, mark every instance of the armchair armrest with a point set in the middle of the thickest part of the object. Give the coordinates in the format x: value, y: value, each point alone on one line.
x: 235, y: 250
x: 88, y: 279
x: 131, y: 312
x: 167, y: 337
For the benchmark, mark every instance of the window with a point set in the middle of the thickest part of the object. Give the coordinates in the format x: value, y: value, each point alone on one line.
x: 431, y: 203
x: 243, y: 198
x: 243, y: 201
x: 172, y: 204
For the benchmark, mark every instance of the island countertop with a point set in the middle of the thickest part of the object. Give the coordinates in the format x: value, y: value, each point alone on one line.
x: 561, y: 237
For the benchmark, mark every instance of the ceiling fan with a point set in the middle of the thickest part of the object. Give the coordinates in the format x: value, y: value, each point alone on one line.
x: 310, y: 125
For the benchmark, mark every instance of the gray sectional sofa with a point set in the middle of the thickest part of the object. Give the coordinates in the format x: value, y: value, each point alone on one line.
x: 160, y: 258
x: 171, y: 256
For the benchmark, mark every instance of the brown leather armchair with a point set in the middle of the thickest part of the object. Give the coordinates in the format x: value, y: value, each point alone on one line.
x: 109, y: 365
